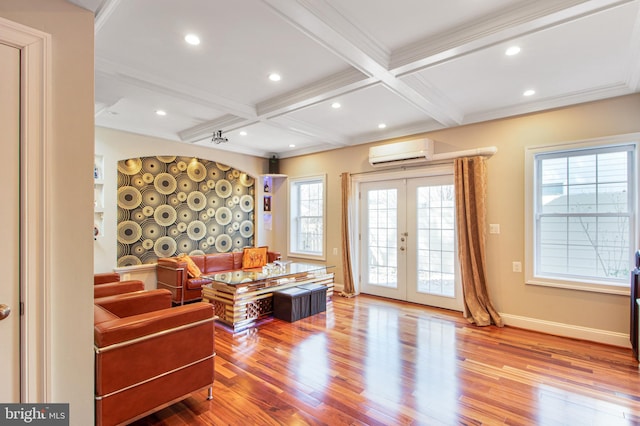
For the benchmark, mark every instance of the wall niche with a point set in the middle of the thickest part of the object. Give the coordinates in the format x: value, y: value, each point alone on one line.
x: 169, y: 205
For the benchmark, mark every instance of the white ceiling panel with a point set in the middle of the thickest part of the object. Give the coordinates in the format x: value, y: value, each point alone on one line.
x: 565, y: 60
x: 264, y: 140
x: 361, y: 112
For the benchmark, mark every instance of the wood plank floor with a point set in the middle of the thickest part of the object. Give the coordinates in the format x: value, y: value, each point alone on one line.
x: 371, y: 361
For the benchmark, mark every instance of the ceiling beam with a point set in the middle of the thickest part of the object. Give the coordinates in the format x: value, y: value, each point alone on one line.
x: 325, y: 25
x: 205, y: 130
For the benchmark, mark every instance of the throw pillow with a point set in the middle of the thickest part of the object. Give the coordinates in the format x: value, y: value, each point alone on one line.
x: 192, y: 269
x: 254, y: 257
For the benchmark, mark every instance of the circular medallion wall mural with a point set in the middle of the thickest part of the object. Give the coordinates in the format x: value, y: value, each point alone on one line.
x: 169, y: 205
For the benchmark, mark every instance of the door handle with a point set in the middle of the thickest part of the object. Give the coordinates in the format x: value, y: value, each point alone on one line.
x: 5, y: 310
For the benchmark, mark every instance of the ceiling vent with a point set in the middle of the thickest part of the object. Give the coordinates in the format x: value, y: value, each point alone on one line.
x: 408, y: 152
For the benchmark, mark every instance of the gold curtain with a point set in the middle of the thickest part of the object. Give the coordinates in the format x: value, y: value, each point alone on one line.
x: 349, y: 289
x: 470, y: 187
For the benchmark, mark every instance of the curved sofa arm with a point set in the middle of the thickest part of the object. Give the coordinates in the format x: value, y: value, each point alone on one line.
x: 272, y: 256
x: 172, y: 262
x: 172, y: 271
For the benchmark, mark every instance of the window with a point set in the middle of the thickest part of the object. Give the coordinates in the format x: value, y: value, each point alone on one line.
x: 307, y: 223
x: 584, y: 216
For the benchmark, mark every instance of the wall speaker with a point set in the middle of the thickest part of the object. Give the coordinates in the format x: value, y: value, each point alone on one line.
x: 274, y: 167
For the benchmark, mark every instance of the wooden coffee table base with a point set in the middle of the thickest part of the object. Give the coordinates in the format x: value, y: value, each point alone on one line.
x: 241, y: 306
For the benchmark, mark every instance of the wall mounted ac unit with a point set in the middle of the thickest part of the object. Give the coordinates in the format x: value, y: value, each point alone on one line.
x: 409, y: 152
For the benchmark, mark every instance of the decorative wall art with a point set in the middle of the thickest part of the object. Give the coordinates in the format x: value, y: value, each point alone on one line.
x: 169, y: 205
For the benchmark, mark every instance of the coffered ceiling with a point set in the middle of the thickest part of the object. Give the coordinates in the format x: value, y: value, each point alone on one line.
x: 412, y: 65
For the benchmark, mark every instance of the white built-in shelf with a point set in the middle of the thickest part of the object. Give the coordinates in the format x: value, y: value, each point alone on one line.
x: 98, y: 196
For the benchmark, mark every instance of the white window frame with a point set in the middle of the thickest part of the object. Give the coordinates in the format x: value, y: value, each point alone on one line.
x: 293, y: 223
x: 594, y: 285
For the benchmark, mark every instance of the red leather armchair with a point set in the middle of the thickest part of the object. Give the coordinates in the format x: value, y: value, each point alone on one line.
x: 109, y: 284
x: 105, y: 277
x: 148, y: 354
x: 110, y: 289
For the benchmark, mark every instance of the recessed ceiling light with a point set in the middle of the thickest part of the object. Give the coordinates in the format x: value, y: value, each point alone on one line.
x: 336, y: 105
x: 192, y: 39
x: 161, y: 112
x: 274, y: 76
x: 381, y: 126
x: 292, y: 145
x: 513, y: 50
x: 529, y: 92
x: 243, y: 133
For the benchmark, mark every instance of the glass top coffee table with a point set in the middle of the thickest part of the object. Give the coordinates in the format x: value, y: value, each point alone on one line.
x: 243, y: 297
x: 276, y: 274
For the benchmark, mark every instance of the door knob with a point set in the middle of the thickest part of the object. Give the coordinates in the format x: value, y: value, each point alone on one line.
x: 4, y: 311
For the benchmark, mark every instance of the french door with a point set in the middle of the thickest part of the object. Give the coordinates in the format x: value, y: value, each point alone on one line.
x: 408, y: 241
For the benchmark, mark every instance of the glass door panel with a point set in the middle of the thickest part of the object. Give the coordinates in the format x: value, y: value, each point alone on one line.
x: 432, y: 266
x: 382, y: 216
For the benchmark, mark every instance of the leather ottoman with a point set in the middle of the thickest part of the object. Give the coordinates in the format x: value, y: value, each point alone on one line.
x: 291, y: 304
x: 318, y: 299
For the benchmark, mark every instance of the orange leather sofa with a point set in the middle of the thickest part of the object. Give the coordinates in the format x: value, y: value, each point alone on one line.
x: 149, y: 354
x: 172, y: 273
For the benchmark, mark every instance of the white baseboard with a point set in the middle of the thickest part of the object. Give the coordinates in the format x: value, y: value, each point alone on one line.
x: 568, y: 330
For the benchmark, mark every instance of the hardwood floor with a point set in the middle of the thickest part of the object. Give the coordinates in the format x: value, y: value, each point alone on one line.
x: 370, y: 361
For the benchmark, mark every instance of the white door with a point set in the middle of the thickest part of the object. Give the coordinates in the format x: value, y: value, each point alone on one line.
x: 408, y: 241
x: 10, y: 219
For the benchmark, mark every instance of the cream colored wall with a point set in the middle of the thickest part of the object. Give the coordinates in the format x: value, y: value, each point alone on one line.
x: 69, y: 182
x: 606, y: 316
x: 116, y: 145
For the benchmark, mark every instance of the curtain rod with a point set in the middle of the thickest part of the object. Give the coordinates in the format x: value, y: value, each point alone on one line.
x: 444, y: 157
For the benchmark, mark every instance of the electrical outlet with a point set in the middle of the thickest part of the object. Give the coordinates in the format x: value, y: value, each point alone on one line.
x: 517, y: 266
x: 494, y: 228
